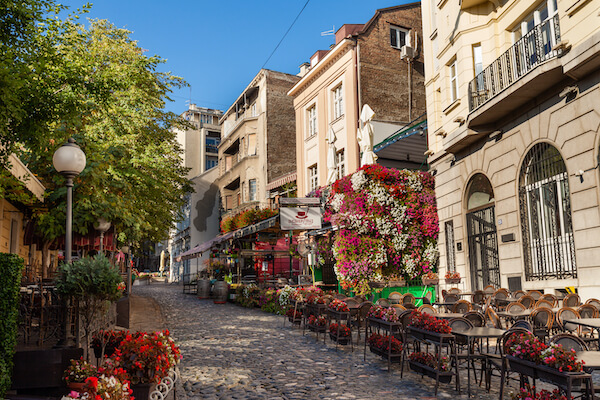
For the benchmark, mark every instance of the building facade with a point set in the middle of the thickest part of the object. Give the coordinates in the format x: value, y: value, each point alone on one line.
x: 512, y: 92
x: 200, y: 144
x: 258, y: 142
x: 379, y: 64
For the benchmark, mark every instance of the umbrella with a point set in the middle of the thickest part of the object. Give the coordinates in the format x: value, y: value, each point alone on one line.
x: 365, y: 136
x: 331, y: 158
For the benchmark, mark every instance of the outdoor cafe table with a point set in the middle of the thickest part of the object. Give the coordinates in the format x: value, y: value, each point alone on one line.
x: 591, y: 359
x: 448, y: 315
x: 472, y: 335
x: 593, y: 323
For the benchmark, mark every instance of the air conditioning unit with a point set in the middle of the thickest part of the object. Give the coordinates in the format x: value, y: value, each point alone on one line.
x: 407, y: 52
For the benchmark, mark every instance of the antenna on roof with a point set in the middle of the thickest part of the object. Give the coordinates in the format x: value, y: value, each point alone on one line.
x: 329, y: 32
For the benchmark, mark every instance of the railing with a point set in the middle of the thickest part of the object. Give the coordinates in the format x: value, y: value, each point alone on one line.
x: 531, y: 50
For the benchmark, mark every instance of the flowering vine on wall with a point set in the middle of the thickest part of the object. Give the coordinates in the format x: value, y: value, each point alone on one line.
x: 388, y: 225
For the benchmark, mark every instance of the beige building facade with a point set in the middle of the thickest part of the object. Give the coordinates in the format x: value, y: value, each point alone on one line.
x: 258, y: 142
x: 379, y: 63
x: 512, y: 102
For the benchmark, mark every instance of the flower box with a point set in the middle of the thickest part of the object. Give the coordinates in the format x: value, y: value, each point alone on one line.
x: 444, y: 376
x: 141, y: 391
x: 453, y: 281
x: 422, y: 334
x: 378, y: 285
x: 523, y: 367
x: 430, y: 282
x: 343, y: 340
x: 397, y: 283
x: 393, y: 357
x: 316, y: 328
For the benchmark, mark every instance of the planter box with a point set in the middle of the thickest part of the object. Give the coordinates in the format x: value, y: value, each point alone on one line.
x: 377, y: 284
x: 422, y: 334
x: 393, y: 357
x: 141, y: 391
x: 430, y: 282
x: 343, y: 340
x: 317, y: 328
x: 396, y: 283
x: 523, y: 367
x: 444, y: 376
x: 546, y: 374
x: 453, y: 281
x: 295, y: 320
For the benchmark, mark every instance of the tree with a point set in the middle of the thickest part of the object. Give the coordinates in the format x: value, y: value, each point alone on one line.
x: 110, y: 98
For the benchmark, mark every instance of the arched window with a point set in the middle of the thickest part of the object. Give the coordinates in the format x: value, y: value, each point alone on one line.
x: 479, y: 192
x: 544, y: 199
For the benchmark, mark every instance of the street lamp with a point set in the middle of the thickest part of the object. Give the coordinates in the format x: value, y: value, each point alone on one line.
x: 69, y: 161
x: 102, y: 226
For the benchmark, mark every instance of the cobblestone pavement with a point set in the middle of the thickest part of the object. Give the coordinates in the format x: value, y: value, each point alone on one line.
x: 230, y: 352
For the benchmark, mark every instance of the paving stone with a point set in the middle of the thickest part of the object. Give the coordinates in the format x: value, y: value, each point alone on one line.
x: 230, y: 352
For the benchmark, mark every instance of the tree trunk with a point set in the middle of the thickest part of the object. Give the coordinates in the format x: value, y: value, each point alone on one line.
x: 46, y: 258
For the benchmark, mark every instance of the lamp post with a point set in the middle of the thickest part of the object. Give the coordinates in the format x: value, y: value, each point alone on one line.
x: 102, y: 226
x: 69, y: 161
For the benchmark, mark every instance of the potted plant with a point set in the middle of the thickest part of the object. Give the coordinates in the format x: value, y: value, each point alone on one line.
x: 294, y: 316
x: 424, y: 326
x: 317, y: 323
x: 147, y: 358
x: 94, y: 284
x: 77, y: 373
x: 105, y: 342
x: 430, y: 365
x: 528, y: 393
x: 430, y: 278
x: 396, y: 280
x: 384, y: 346
x: 452, y: 277
x: 340, y: 333
x: 338, y: 306
x: 387, y: 314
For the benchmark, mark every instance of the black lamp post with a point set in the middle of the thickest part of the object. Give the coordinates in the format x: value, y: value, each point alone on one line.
x: 69, y: 161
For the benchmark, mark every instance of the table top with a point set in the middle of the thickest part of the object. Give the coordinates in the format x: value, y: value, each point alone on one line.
x: 448, y: 315
x: 506, y: 300
x: 590, y: 322
x: 521, y: 313
x: 480, y: 332
x: 590, y: 358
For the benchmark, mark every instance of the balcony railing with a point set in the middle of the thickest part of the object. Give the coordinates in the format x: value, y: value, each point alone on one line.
x: 531, y: 50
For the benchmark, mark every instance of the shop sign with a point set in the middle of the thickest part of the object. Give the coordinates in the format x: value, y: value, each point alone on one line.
x: 300, y: 218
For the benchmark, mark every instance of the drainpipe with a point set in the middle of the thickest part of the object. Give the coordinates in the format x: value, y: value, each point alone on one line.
x: 357, y: 93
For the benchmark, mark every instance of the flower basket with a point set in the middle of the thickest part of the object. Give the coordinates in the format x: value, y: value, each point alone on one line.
x: 343, y: 340
x: 77, y: 386
x: 317, y: 328
x: 556, y: 377
x: 394, y: 357
x: 400, y: 283
x: 444, y: 377
x: 453, y: 281
x: 377, y: 285
x: 430, y: 282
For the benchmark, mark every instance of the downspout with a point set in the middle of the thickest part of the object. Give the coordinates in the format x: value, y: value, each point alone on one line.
x: 357, y: 93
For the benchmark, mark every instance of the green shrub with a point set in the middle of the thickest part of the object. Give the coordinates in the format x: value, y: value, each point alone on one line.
x: 89, y: 277
x: 11, y: 266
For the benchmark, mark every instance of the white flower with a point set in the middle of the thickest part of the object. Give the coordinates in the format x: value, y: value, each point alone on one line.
x: 414, y: 182
x: 358, y: 180
x: 337, y: 201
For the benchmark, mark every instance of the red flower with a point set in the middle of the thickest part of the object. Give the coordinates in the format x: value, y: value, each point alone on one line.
x: 93, y: 381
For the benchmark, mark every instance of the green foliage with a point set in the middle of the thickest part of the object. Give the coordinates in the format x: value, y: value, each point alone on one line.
x: 89, y: 277
x: 11, y: 266
x: 246, y: 218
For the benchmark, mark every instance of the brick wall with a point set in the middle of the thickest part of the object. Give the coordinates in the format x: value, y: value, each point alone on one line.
x: 383, y: 74
x: 281, y: 128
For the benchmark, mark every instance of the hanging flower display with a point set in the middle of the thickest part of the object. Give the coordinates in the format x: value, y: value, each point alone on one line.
x: 388, y: 225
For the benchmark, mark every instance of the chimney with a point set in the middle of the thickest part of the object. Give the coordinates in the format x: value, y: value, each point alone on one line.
x: 304, y: 68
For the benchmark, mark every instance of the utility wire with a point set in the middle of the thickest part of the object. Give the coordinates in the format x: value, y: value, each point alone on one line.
x: 288, y: 31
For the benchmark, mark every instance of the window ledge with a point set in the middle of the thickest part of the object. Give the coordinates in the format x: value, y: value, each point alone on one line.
x: 433, y: 35
x: 311, y: 137
x: 337, y: 119
x: 452, y: 106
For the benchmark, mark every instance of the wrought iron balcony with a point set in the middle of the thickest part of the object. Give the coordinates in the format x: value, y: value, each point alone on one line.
x: 533, y: 49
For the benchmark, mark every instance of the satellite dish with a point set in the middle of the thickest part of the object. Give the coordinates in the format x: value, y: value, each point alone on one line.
x: 303, y: 249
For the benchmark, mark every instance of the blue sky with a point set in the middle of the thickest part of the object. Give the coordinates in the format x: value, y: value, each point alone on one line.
x: 218, y: 46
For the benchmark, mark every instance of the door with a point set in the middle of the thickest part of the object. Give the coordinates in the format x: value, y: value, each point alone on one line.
x: 483, y: 248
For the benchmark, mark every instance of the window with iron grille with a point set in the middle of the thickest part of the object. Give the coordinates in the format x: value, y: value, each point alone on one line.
x: 450, y: 249
x: 544, y: 200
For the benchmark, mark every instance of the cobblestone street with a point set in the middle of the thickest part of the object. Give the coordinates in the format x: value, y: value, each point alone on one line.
x: 230, y: 352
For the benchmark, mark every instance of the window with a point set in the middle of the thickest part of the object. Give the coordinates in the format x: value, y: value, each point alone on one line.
x: 313, y: 178
x: 211, y: 162
x: 453, y: 82
x: 212, y: 144
x: 14, y: 237
x: 398, y: 37
x: 478, y: 65
x: 312, y: 120
x: 252, y: 190
x: 338, y: 102
x: 450, y: 250
x: 252, y: 144
x: 206, y: 118
x: 253, y: 110
x: 341, y: 164
x: 536, y: 35
x: 544, y: 199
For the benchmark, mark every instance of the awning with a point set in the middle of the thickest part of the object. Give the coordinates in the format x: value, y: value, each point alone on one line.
x: 282, y: 181
x: 201, y: 248
x: 259, y: 226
